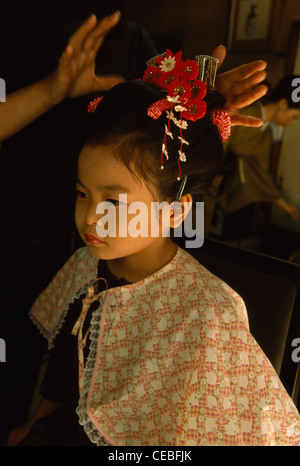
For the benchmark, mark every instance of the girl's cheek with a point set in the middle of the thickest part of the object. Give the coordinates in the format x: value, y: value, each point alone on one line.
x: 78, y: 216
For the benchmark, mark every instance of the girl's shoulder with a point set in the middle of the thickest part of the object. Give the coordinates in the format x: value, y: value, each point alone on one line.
x: 207, y: 289
x: 197, y: 273
x: 49, y: 309
x: 189, y: 276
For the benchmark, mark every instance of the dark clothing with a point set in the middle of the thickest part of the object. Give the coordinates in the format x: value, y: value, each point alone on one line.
x: 61, y: 379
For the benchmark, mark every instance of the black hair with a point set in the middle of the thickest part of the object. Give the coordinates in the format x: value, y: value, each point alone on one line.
x: 121, y: 122
x: 284, y: 90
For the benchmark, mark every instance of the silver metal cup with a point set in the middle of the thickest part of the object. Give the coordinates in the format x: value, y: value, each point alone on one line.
x: 207, y: 69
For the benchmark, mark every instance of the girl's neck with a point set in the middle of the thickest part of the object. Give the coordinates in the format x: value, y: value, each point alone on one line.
x: 141, y: 265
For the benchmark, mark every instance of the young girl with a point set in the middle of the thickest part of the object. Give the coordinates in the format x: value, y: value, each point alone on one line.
x: 149, y: 347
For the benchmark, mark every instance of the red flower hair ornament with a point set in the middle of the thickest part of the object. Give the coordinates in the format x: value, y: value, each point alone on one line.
x: 184, y: 101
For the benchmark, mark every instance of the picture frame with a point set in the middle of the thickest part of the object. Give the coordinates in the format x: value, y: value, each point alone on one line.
x: 250, y: 25
x: 293, y: 57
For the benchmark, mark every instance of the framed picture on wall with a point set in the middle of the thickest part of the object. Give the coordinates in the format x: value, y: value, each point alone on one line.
x: 250, y: 25
x: 293, y: 57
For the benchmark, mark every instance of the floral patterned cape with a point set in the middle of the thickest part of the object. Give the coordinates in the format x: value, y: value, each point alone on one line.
x: 171, y: 361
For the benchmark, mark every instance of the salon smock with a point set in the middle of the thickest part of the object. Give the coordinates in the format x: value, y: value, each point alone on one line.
x: 171, y: 361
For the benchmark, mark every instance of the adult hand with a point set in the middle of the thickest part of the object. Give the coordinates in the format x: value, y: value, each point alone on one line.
x: 74, y: 76
x: 76, y: 71
x: 18, y: 434
x: 237, y: 86
x: 287, y: 208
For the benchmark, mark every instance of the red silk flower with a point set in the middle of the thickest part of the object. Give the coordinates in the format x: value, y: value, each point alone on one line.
x: 189, y: 70
x: 198, y: 89
x: 181, y: 89
x: 169, y: 61
x: 195, y: 109
x: 152, y: 75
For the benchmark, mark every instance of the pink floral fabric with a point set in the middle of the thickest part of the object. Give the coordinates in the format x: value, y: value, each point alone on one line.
x: 172, y: 361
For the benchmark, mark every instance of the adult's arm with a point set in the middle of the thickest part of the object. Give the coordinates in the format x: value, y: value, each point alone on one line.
x: 74, y: 76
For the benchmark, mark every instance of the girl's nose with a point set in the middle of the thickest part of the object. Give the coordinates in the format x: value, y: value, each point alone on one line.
x: 91, y: 216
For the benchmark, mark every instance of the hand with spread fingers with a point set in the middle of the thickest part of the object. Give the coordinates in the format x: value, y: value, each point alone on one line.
x: 241, y: 87
x: 74, y: 76
x: 76, y: 71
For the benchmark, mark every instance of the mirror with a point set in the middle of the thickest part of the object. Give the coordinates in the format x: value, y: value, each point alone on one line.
x: 263, y: 226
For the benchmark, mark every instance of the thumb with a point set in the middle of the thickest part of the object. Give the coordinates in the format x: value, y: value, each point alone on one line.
x: 219, y: 53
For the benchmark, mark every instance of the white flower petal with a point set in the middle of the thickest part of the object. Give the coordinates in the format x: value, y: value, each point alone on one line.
x: 179, y: 108
x: 168, y: 64
x: 183, y: 140
x: 182, y: 156
x: 173, y: 99
x: 168, y: 133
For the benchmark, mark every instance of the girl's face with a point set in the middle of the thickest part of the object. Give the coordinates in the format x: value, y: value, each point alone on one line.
x: 102, y: 178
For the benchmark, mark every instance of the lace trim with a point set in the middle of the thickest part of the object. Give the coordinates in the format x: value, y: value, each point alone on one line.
x: 50, y: 337
x: 89, y: 428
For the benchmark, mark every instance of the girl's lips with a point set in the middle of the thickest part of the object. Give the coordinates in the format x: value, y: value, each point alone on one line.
x: 93, y: 240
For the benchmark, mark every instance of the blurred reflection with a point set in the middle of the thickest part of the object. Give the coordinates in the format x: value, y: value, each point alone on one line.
x: 246, y: 189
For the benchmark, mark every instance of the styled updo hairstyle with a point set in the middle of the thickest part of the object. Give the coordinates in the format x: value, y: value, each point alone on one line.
x: 121, y: 122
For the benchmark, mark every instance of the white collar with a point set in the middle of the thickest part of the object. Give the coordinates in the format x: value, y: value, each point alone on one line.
x: 277, y: 131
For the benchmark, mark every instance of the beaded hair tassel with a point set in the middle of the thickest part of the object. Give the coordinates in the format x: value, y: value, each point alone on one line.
x: 185, y: 84
x: 185, y: 94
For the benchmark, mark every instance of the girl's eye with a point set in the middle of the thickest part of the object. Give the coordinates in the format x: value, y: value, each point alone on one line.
x: 81, y: 194
x: 113, y: 201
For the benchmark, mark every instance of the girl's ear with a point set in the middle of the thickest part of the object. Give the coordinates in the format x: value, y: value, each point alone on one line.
x: 180, y: 209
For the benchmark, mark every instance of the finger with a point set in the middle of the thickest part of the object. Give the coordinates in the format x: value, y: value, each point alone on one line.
x: 249, y: 121
x: 96, y: 37
x: 243, y: 71
x: 81, y: 33
x: 247, y: 99
x: 249, y: 83
x: 219, y: 53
